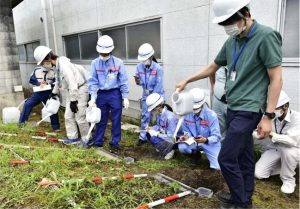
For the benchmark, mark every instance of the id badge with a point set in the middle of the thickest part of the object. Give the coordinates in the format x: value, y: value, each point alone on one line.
x: 233, y: 75
x: 111, y: 76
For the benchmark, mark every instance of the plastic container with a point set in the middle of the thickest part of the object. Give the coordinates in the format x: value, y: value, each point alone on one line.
x: 52, y: 106
x: 45, y: 113
x: 205, y: 192
x: 93, y: 115
x: 182, y: 103
x: 11, y: 114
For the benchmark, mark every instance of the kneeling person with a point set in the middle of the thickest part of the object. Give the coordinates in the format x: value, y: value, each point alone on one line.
x: 201, y: 132
x: 161, y: 134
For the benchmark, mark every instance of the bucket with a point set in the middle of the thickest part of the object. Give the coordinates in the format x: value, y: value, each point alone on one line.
x: 93, y: 115
x: 182, y: 102
x: 45, y: 113
x: 11, y: 114
x: 52, y: 106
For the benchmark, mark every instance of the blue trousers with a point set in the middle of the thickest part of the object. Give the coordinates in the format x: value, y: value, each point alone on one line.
x: 146, y: 118
x: 163, y: 146
x: 34, y: 100
x: 211, y: 151
x: 109, y: 100
x: 236, y: 157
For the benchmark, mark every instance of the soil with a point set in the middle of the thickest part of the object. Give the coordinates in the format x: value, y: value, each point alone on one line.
x: 139, y: 152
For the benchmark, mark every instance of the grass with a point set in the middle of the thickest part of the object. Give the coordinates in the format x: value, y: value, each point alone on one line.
x: 19, y: 184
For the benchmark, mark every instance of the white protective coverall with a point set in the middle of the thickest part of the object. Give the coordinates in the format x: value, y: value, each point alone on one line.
x: 70, y: 78
x: 282, y: 153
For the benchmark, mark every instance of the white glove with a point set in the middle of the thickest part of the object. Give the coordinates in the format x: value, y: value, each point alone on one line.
x: 126, y: 103
x: 153, y: 132
x: 255, y: 134
x: 92, y: 103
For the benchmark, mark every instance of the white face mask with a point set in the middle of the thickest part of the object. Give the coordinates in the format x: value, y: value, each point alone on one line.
x: 278, y: 113
x: 197, y: 111
x: 234, y: 30
x: 104, y: 58
x: 47, y: 66
x: 147, y: 62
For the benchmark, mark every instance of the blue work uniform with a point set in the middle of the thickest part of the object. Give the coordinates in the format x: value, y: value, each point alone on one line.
x: 151, y: 80
x: 206, y: 125
x: 166, y: 125
x: 108, y: 84
x: 38, y: 75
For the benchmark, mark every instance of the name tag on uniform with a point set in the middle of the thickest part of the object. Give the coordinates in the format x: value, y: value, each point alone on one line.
x: 232, y: 75
x: 111, y: 76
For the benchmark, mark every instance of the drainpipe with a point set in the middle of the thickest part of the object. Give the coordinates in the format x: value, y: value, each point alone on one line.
x: 45, y: 20
x: 53, y: 25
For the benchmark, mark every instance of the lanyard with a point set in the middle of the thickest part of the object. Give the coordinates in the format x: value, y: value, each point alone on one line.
x: 237, y: 56
x: 147, y: 80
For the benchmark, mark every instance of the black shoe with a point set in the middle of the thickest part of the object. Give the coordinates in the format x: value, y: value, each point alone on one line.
x: 114, y: 150
x: 225, y: 197
x: 141, y: 142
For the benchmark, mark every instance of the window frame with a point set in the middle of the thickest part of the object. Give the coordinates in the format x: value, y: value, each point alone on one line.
x: 101, y: 30
x: 24, y: 44
x: 289, y: 62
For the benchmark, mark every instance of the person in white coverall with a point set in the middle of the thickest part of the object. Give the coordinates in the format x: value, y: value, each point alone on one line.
x: 72, y: 78
x: 282, y: 154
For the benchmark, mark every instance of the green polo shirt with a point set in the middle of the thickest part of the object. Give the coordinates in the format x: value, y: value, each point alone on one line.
x: 248, y: 92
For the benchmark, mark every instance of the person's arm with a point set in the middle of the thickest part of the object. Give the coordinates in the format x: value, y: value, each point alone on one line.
x: 93, y: 83
x: 159, y: 87
x: 215, y: 135
x: 123, y: 81
x: 172, y: 123
x: 212, y: 80
x: 203, y: 73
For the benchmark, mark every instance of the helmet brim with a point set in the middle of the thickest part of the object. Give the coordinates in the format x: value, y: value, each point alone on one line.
x: 144, y: 58
x: 153, y: 106
x: 104, y: 50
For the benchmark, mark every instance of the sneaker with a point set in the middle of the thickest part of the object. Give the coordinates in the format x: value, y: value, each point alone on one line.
x: 225, y: 197
x: 169, y: 155
x: 141, y: 142
x: 287, y: 188
x: 71, y: 141
x: 114, y: 150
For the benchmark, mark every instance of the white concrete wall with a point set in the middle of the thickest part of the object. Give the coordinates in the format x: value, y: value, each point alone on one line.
x: 189, y: 39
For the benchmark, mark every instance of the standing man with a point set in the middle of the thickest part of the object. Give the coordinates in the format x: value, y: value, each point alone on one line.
x: 108, y: 86
x: 253, y: 55
x: 69, y: 77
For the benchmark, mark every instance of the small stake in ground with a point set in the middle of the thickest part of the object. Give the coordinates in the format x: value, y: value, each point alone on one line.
x: 52, y: 139
x: 164, y: 200
x: 22, y: 161
x: 95, y: 179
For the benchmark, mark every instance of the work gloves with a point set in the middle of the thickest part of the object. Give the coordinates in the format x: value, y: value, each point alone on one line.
x: 153, y: 133
x: 73, y: 106
x: 92, y: 103
x: 125, y: 103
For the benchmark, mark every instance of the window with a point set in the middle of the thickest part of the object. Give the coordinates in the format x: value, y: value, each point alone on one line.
x: 127, y: 40
x: 290, y: 29
x: 118, y: 35
x: 72, y: 47
x: 26, y: 51
x: 143, y: 33
x: 88, y: 45
x: 22, y: 53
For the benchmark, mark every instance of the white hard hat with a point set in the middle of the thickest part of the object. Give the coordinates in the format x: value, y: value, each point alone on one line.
x: 283, y: 99
x: 153, y: 100
x: 105, y: 44
x: 224, y: 9
x: 40, y: 53
x: 145, y: 52
x: 199, y: 97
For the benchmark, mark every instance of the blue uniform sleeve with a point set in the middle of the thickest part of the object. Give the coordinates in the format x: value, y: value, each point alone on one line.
x: 215, y: 135
x: 172, y: 123
x: 33, y: 80
x: 185, y: 129
x: 93, y: 82
x: 159, y: 88
x: 137, y: 75
x: 123, y: 80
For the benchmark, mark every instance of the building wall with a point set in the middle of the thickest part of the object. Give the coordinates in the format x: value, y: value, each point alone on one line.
x: 189, y: 39
x: 9, y: 67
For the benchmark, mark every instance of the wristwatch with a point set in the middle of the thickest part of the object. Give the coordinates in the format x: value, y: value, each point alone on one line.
x: 270, y: 115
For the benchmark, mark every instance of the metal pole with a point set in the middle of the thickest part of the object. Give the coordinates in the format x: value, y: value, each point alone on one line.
x: 45, y: 20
